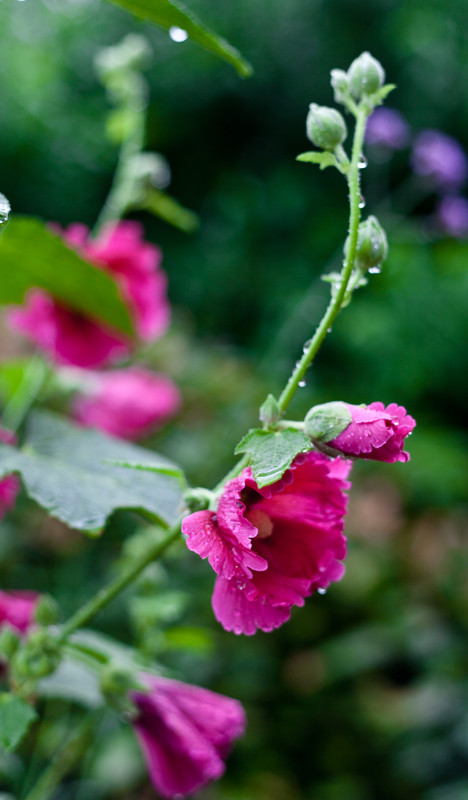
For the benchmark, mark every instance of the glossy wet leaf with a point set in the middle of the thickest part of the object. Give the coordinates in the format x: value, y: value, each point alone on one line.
x: 272, y: 452
x: 70, y: 472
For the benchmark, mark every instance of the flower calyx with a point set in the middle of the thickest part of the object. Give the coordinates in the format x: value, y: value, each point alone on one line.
x: 325, y: 127
x: 116, y: 682
x: 372, y: 246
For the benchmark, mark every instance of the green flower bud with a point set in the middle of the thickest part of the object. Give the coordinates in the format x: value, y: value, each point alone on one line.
x: 47, y: 611
x: 325, y: 127
x: 372, y: 245
x: 198, y: 499
x: 37, y: 657
x: 9, y: 641
x: 116, y: 682
x: 327, y: 421
x: 339, y: 83
x: 365, y: 75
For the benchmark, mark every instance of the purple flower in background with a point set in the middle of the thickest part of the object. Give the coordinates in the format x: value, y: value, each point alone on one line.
x: 440, y: 158
x: 387, y: 128
x: 185, y: 733
x: 452, y: 216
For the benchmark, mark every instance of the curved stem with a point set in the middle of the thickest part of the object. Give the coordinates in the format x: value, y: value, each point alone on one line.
x: 100, y: 600
x: 354, y: 186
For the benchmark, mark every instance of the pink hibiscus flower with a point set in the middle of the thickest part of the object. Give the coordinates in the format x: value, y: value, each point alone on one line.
x: 185, y: 733
x: 127, y: 403
x: 10, y: 485
x: 274, y: 546
x: 376, y: 432
x: 71, y: 337
x: 17, y: 609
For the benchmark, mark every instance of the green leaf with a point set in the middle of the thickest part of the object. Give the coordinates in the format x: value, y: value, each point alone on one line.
x: 168, y: 14
x: 15, y: 718
x: 379, y: 96
x: 68, y: 471
x: 32, y: 255
x: 272, y: 452
x: 162, y: 205
x: 74, y: 682
x: 162, y: 469
x: 324, y: 160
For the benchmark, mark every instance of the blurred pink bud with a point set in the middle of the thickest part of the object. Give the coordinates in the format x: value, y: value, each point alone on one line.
x: 10, y: 485
x: 185, y: 733
x: 127, y: 403
x: 17, y: 609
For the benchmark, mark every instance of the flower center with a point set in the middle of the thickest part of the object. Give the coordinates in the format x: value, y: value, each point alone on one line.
x: 261, y: 521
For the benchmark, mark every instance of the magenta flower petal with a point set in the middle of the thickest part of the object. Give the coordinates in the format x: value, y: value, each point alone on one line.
x: 127, y: 403
x: 10, y: 485
x: 295, y: 530
x: 376, y: 432
x: 17, y: 609
x: 185, y: 733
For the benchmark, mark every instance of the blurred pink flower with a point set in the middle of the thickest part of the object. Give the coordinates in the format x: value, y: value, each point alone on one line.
x: 376, y: 432
x: 17, y: 609
x: 10, y: 485
x: 185, y: 733
x: 127, y: 403
x: 71, y: 337
x: 274, y: 546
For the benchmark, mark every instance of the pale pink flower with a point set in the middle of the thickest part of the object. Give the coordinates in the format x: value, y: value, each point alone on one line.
x: 70, y: 337
x: 274, y: 546
x: 376, y: 432
x: 17, y: 609
x: 185, y: 733
x: 10, y: 485
x: 127, y: 403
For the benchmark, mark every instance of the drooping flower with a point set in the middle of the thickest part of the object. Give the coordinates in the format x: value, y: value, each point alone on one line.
x: 70, y: 337
x: 272, y: 547
x: 376, y: 432
x: 10, y: 485
x: 185, y: 733
x: 388, y: 129
x: 441, y: 159
x: 17, y: 609
x: 127, y: 403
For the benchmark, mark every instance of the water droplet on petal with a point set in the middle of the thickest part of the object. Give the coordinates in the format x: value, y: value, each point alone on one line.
x: 178, y: 34
x: 362, y: 201
x: 362, y: 163
x: 321, y: 591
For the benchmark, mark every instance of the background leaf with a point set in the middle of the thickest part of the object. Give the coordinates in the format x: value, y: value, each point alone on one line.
x: 168, y: 14
x: 272, y: 452
x: 15, y: 718
x: 32, y: 255
x: 68, y: 471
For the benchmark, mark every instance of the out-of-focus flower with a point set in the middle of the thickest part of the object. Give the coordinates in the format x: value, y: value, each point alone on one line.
x: 127, y: 403
x: 271, y: 547
x: 452, y: 216
x: 185, y: 733
x: 440, y: 158
x: 376, y: 432
x: 388, y: 129
x: 10, y: 485
x: 71, y: 337
x: 17, y: 609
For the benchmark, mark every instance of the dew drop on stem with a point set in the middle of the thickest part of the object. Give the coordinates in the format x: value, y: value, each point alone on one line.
x: 301, y: 384
x: 362, y: 163
x: 362, y: 201
x: 306, y: 346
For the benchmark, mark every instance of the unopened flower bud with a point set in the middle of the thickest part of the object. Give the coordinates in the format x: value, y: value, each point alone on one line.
x: 9, y: 641
x: 47, y: 611
x: 269, y: 410
x: 116, y: 682
x: 372, y: 245
x: 327, y: 421
x: 365, y: 75
x: 339, y: 83
x: 325, y: 127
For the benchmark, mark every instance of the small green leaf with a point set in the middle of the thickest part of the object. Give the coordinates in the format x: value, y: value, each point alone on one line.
x: 162, y: 205
x: 15, y: 718
x: 324, y: 160
x: 69, y: 471
x: 169, y: 13
x: 272, y: 452
x: 72, y: 681
x: 325, y: 422
x: 32, y: 255
x: 379, y: 96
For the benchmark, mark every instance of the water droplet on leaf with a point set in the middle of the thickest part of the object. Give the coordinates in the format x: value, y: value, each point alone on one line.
x: 178, y: 34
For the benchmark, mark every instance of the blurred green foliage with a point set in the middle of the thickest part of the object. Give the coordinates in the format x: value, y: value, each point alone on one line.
x: 362, y: 696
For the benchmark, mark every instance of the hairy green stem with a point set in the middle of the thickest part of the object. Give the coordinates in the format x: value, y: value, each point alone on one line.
x: 63, y: 761
x: 100, y: 600
x: 354, y: 186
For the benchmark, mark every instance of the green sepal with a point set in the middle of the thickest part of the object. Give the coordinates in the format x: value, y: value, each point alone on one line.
x: 272, y: 452
x: 270, y: 411
x: 325, y: 422
x: 324, y: 160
